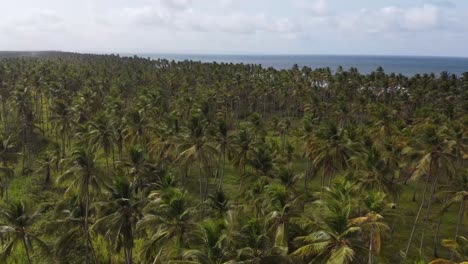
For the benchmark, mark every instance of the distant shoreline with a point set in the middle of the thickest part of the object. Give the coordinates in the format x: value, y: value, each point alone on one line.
x: 406, y: 65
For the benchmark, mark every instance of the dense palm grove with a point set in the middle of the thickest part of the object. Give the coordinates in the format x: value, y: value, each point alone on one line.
x: 130, y: 160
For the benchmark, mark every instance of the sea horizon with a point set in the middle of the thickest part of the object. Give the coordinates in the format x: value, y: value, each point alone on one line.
x: 408, y: 65
x: 398, y: 64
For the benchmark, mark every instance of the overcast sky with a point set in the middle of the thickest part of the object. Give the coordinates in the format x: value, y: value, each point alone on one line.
x: 388, y: 27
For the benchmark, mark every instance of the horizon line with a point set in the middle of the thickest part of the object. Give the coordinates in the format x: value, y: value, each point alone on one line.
x: 140, y: 53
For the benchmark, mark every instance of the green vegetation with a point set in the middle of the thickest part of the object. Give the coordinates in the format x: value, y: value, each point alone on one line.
x: 129, y: 160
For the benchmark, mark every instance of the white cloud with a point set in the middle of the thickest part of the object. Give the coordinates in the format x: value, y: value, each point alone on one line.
x: 315, y: 7
x: 192, y: 20
x: 35, y: 21
x: 391, y: 19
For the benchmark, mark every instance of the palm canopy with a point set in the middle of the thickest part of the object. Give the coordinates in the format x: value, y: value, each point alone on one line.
x: 83, y: 175
x: 333, y: 235
x: 169, y: 211
x: 17, y: 220
x: 119, y: 215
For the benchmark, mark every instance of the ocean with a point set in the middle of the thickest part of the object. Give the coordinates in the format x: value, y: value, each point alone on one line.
x: 407, y: 65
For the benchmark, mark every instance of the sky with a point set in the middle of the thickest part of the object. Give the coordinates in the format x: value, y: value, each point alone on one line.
x: 370, y: 27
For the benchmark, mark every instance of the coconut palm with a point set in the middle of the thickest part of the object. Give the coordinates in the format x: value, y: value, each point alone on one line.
x: 458, y: 247
x: 101, y: 135
x: 371, y: 170
x: 457, y: 197
x: 62, y: 120
x: 84, y: 178
x: 169, y: 212
x: 47, y: 164
x: 435, y: 151
x: 197, y: 148
x: 16, y: 221
x: 372, y: 223
x: 137, y: 164
x: 211, y: 238
x: 330, y: 151
x: 242, y: 144
x: 224, y: 142
x: 69, y: 229
x: 118, y: 215
x: 7, y: 156
x: 332, y: 236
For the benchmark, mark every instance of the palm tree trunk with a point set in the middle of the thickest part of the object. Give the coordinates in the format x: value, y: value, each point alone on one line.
x: 223, y: 165
x: 47, y: 179
x: 414, y: 192
x: 113, y: 158
x: 129, y: 255
x: 306, y: 177
x: 461, y: 212
x: 26, y: 249
x: 93, y: 252
x: 397, y: 204
x: 107, y: 165
x: 371, y: 241
x: 201, y: 184
x: 436, y: 237
x: 86, y: 222
x: 428, y: 210
x: 419, y: 211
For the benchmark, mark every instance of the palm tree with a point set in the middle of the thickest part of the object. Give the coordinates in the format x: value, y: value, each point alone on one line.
x: 137, y: 126
x: 197, y: 147
x: 84, y: 178
x: 137, y: 165
x: 458, y: 197
x: 223, y: 140
x: 101, y: 134
x: 211, y: 238
x: 330, y: 151
x: 242, y: 144
x: 435, y: 150
x: 282, y: 207
x: 69, y: 228
x: 62, y: 120
x: 169, y: 212
x: 372, y: 223
x: 458, y: 247
x: 332, y: 234
x: 261, y: 160
x: 118, y: 216
x: 7, y: 156
x: 17, y: 221
x: 47, y: 164
x: 371, y: 170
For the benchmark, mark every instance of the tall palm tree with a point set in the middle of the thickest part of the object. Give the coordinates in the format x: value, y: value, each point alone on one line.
x: 332, y: 234
x: 458, y: 197
x: 118, y: 216
x: 17, y: 220
x: 434, y: 148
x: 330, y: 151
x: 372, y: 223
x: 242, y: 144
x: 69, y: 228
x: 101, y: 134
x: 8, y: 155
x: 84, y: 178
x: 137, y: 164
x: 170, y: 213
x: 211, y: 238
x: 47, y: 163
x: 62, y: 120
x: 224, y: 142
x: 197, y: 147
